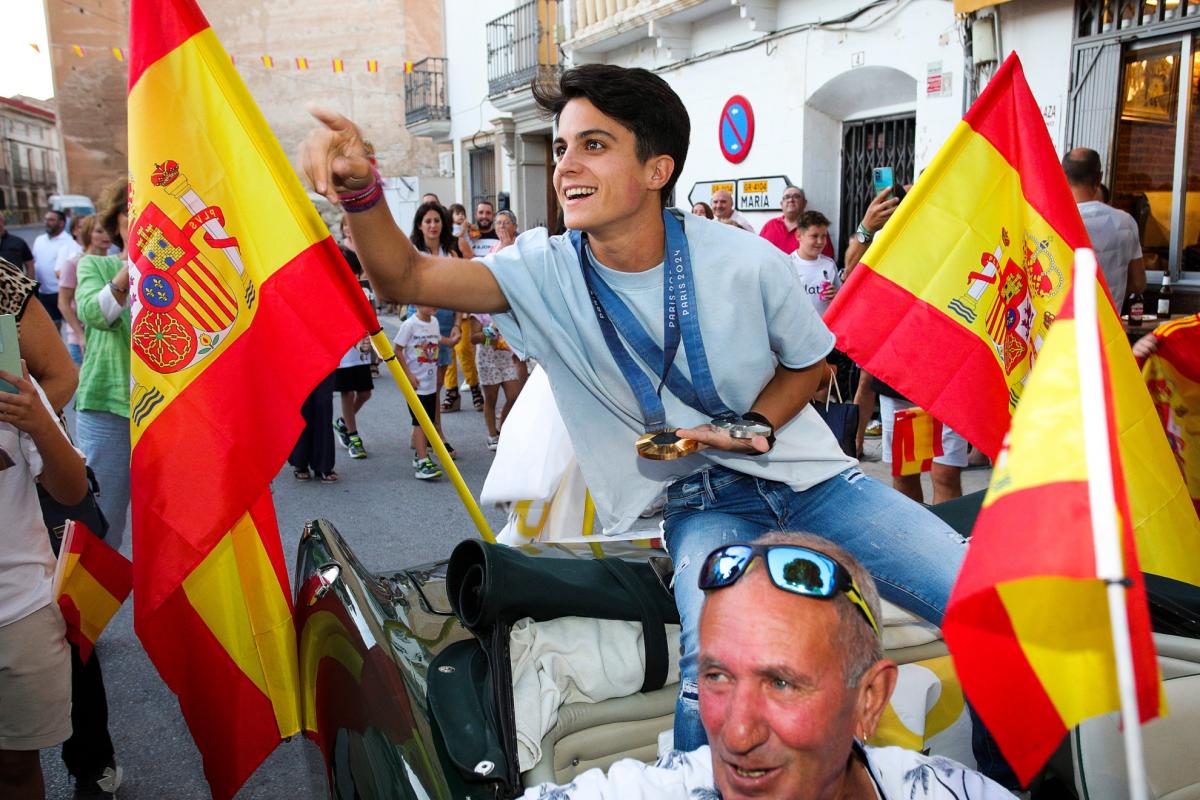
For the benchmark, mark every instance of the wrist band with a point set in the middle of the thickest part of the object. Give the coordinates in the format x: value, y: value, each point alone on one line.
x: 363, y: 199
x: 867, y: 234
x: 756, y: 417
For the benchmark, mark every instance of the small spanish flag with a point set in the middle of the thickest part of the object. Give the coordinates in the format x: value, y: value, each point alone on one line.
x: 36, y: 49
x: 408, y: 67
x: 77, y: 50
x: 118, y: 54
x: 372, y: 65
x: 916, y: 441
x: 301, y: 63
x: 91, y: 582
x: 339, y: 65
x: 268, y: 62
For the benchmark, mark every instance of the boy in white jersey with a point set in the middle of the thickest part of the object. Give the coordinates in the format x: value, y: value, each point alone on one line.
x: 818, y: 273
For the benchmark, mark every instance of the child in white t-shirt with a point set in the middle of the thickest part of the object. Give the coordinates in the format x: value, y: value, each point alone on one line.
x: 818, y: 273
x: 417, y: 345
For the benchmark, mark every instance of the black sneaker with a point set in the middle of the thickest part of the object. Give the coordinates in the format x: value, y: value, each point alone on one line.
x: 342, y: 431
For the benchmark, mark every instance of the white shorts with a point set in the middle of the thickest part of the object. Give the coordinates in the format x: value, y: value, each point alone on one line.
x: 35, y: 681
x: 954, y: 446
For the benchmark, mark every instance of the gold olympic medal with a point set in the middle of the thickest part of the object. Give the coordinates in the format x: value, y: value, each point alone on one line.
x: 665, y: 446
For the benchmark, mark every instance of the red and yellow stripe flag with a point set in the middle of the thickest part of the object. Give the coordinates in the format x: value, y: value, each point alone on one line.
x: 91, y: 582
x: 1028, y: 622
x: 232, y: 265
x: 953, y: 301
x: 372, y: 65
x: 77, y: 50
x: 301, y: 63
x: 339, y: 65
x: 1172, y: 375
x: 972, y: 266
x: 916, y: 441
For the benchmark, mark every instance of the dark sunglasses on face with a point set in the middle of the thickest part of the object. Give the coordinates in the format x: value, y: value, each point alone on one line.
x: 793, y: 569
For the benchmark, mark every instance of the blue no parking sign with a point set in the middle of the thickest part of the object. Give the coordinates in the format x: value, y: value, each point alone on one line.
x: 736, y: 129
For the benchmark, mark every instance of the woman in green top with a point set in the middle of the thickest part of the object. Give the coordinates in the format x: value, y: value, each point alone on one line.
x: 102, y: 400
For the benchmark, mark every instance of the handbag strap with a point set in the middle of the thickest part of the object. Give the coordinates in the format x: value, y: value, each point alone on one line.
x: 654, y: 632
x: 833, y: 386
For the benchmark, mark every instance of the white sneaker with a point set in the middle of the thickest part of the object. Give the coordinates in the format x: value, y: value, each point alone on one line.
x: 493, y: 442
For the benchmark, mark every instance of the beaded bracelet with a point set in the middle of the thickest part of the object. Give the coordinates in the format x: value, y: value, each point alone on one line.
x: 363, y: 199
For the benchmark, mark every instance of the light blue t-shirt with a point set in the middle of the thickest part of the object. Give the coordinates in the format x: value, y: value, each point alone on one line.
x: 753, y: 315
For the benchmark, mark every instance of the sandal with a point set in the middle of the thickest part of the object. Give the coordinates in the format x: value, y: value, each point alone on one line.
x: 477, y: 397
x: 328, y: 477
x: 302, y: 475
x: 452, y: 401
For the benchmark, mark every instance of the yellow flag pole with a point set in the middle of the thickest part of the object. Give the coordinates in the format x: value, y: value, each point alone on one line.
x: 384, y: 348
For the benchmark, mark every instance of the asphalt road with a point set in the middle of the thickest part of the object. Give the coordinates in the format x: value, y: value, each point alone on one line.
x: 390, y: 519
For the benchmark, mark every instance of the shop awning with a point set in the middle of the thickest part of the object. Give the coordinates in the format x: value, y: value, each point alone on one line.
x: 967, y: 6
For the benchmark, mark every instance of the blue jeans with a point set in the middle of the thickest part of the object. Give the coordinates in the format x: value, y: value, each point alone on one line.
x: 913, y: 556
x: 104, y: 440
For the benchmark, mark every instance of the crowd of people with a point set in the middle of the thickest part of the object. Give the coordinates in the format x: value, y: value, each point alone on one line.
x: 474, y: 311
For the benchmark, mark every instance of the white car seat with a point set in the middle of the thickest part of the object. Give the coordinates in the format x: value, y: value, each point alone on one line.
x: 1171, y: 743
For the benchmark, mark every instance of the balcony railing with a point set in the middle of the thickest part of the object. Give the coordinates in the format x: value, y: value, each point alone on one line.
x: 522, y: 46
x: 425, y: 92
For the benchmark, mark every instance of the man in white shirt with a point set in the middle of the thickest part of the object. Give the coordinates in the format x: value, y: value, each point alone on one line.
x: 45, y: 258
x: 722, y: 206
x: 792, y: 683
x: 1114, y: 233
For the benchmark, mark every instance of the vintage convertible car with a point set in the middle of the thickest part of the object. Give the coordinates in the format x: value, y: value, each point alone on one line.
x: 405, y: 700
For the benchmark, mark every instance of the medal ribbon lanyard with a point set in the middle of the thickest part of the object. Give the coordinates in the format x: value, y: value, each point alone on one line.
x: 680, y: 320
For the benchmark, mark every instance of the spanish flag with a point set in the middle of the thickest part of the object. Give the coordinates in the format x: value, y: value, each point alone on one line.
x: 372, y: 65
x: 1028, y: 621
x: 301, y: 63
x: 91, y: 582
x: 952, y: 303
x: 339, y: 65
x: 916, y: 441
x: 241, y: 303
x: 1172, y: 375
x: 973, y: 267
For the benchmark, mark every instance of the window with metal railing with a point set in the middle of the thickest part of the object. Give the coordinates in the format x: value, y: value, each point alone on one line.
x: 425, y: 91
x: 1101, y: 17
x: 522, y: 46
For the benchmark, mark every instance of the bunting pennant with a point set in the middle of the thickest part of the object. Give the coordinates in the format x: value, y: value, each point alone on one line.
x: 408, y: 67
x: 230, y: 262
x: 301, y: 63
x: 118, y: 53
x: 916, y: 441
x: 77, y: 50
x: 36, y: 49
x: 339, y: 65
x: 1027, y: 622
x: 91, y: 582
x: 268, y: 62
x: 973, y: 266
x: 372, y: 65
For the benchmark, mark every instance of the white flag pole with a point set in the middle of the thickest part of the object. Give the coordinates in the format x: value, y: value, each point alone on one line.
x: 1102, y: 499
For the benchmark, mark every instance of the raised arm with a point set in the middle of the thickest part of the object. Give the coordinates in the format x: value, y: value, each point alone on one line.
x: 334, y: 159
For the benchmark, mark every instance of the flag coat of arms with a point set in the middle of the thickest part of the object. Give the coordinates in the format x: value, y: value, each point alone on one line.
x: 241, y: 303
x: 1172, y: 375
x: 1027, y: 621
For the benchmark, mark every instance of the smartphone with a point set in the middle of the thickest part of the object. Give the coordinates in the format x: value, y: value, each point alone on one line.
x: 664, y: 570
x: 10, y: 351
x: 882, y: 178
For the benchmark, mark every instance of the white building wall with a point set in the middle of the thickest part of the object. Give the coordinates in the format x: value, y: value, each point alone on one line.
x: 1040, y: 32
x: 803, y: 84
x: 471, y: 113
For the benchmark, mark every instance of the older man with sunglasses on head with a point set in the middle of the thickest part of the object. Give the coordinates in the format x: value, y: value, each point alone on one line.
x: 793, y: 680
